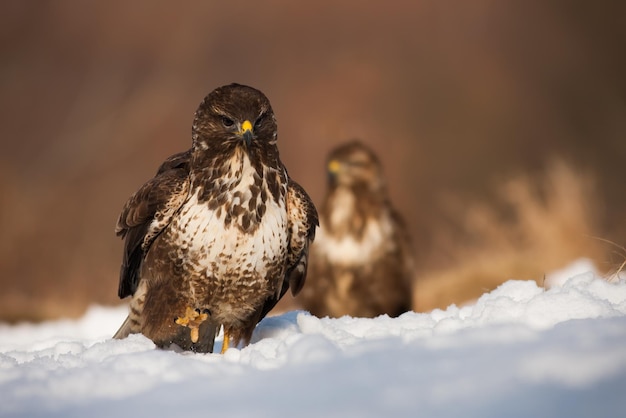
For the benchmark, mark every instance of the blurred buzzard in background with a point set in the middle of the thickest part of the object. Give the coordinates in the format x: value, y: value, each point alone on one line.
x: 361, y: 263
x: 219, y: 234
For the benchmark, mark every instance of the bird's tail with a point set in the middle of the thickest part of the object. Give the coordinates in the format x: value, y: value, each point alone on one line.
x: 125, y: 330
x: 135, y: 310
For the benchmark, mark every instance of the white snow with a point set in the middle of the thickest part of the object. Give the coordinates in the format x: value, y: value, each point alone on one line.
x: 519, y: 351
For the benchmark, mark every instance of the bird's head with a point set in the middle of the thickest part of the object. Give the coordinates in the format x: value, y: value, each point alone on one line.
x: 355, y: 166
x: 234, y: 116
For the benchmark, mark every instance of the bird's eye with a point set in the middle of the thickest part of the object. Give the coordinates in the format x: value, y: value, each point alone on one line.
x: 357, y: 163
x: 227, y: 122
x: 259, y: 120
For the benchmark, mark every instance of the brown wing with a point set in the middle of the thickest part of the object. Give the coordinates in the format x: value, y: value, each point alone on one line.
x: 302, y: 221
x: 405, y: 248
x: 146, y: 213
x: 388, y: 287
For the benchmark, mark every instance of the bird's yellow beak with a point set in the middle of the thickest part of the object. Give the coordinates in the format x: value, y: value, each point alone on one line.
x: 246, y: 126
x: 333, y: 166
x: 246, y: 132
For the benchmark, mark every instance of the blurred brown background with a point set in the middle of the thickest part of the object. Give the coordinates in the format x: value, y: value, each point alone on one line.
x: 501, y: 125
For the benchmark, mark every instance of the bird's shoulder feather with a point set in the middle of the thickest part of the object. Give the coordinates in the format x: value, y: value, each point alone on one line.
x: 147, y: 213
x: 302, y: 221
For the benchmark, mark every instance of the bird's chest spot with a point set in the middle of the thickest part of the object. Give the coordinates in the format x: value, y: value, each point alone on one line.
x: 238, y: 194
x: 239, y: 233
x: 348, y: 249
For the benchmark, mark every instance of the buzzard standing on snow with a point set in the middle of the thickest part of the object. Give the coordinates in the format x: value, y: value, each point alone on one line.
x: 219, y: 234
x: 361, y: 263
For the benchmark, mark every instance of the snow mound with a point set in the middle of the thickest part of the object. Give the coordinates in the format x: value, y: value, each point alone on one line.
x: 518, y: 351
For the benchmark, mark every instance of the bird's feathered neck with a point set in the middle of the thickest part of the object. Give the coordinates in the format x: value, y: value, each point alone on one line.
x: 239, y: 183
x: 346, y: 210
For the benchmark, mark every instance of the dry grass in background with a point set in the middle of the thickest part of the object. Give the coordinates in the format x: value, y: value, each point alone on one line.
x: 535, y: 225
x: 618, y: 257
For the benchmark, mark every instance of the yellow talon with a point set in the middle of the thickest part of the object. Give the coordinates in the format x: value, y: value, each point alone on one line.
x: 192, y: 319
x: 185, y: 319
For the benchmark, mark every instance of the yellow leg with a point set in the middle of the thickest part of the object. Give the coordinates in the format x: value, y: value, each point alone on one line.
x: 226, y: 342
x: 195, y: 335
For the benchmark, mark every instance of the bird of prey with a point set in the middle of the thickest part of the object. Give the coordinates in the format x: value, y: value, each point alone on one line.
x: 361, y: 263
x: 220, y: 233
